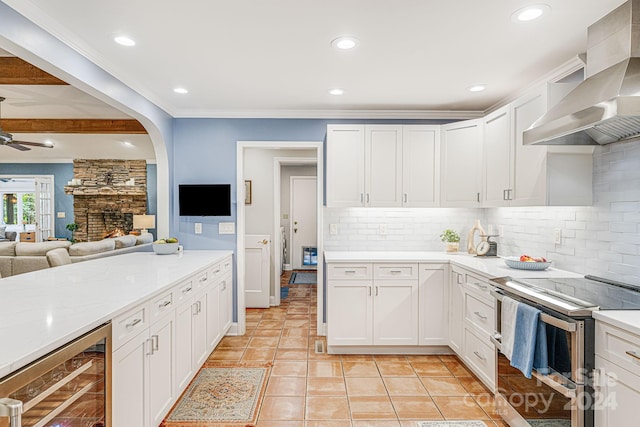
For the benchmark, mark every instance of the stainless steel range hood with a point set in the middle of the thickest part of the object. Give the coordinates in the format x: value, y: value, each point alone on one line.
x: 604, y: 108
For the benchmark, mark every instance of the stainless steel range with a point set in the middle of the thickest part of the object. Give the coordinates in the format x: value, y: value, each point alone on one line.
x: 563, y: 396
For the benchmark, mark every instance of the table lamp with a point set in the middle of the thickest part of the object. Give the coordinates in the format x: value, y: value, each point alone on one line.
x: 143, y: 222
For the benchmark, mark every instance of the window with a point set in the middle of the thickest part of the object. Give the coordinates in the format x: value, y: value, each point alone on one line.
x: 18, y: 208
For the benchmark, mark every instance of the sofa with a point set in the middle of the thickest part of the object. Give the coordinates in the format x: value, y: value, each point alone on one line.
x: 23, y: 257
x: 7, y: 236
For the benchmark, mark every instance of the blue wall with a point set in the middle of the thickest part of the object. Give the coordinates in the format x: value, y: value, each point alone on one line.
x: 204, y: 152
x: 63, y: 173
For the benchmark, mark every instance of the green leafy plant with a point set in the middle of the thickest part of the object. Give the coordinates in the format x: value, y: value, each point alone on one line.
x: 450, y: 236
x: 72, y: 228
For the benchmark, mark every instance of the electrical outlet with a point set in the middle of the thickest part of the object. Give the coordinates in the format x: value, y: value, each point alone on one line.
x: 61, y: 214
x: 557, y: 236
x: 227, y: 228
x: 198, y: 229
x: 333, y: 228
x: 383, y: 229
x: 285, y: 216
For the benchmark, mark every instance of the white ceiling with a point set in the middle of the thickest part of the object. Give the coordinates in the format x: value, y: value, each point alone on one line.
x: 273, y: 58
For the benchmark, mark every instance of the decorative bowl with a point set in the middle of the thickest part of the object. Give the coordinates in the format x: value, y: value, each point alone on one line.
x: 165, y: 248
x: 514, y: 262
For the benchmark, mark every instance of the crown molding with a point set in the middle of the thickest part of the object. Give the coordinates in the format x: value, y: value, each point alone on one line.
x: 332, y: 114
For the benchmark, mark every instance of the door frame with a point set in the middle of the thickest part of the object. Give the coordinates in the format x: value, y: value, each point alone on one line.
x: 240, y: 218
x: 291, y: 226
x: 278, y: 162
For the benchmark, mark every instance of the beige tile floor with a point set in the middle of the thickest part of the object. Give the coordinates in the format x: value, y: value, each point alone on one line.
x: 308, y: 389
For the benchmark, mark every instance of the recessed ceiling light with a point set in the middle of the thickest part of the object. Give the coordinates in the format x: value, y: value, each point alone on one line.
x: 124, y: 41
x: 48, y: 143
x: 477, y: 88
x: 336, y: 91
x: 127, y: 144
x: 345, y: 42
x: 180, y: 90
x: 530, y: 13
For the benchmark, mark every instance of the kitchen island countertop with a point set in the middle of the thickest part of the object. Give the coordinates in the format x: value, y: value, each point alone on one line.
x: 489, y: 267
x: 628, y: 320
x: 43, y: 310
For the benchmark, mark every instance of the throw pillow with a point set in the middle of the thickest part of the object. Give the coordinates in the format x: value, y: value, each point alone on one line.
x: 3, y: 228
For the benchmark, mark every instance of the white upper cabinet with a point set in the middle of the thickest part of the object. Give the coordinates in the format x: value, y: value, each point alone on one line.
x: 383, y: 166
x: 497, y: 158
x: 461, y: 176
x: 547, y: 175
x: 345, y: 165
x: 420, y: 166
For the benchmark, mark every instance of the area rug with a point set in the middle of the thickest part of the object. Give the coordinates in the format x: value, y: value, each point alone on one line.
x: 221, y: 396
x: 550, y: 423
x: 303, y: 278
x: 451, y: 424
x: 284, y: 292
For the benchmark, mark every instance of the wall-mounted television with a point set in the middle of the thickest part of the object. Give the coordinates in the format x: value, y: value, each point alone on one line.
x: 204, y: 199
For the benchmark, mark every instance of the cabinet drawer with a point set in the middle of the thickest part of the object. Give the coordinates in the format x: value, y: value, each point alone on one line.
x: 618, y: 346
x: 480, y: 357
x: 183, y: 291
x: 395, y: 271
x: 480, y: 314
x: 201, y: 279
x: 216, y: 272
x: 478, y: 284
x: 161, y: 305
x: 350, y: 271
x: 128, y: 325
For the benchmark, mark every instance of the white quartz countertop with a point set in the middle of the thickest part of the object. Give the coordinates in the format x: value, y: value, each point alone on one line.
x: 489, y: 267
x: 43, y: 310
x: 629, y: 320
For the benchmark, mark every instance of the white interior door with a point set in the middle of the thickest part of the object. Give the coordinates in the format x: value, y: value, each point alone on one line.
x: 44, y: 208
x: 303, y: 220
x: 257, y: 252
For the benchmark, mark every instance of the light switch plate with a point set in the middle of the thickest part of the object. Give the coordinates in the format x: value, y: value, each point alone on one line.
x: 198, y: 229
x: 333, y: 228
x: 383, y: 229
x: 227, y: 228
x: 557, y: 236
x: 61, y: 215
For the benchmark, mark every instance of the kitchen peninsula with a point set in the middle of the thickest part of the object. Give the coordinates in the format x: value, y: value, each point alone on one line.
x: 167, y: 312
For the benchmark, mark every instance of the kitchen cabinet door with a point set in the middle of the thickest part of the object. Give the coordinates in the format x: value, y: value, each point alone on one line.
x: 433, y: 293
x: 161, y: 368
x: 214, y: 316
x: 226, y: 303
x: 383, y: 166
x: 497, y: 158
x: 350, y: 312
x: 184, y: 344
x: 395, y: 312
x: 130, y: 383
x: 345, y: 166
x: 617, y: 395
x: 420, y: 166
x: 461, y: 164
x: 456, y: 312
x: 201, y: 348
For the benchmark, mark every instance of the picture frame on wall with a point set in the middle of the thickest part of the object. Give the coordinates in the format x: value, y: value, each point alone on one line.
x: 247, y: 192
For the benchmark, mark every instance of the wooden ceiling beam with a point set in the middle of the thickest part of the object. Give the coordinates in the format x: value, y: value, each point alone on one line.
x: 15, y: 71
x: 104, y: 126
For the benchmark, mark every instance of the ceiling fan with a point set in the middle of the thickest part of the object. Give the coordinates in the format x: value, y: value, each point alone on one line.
x: 7, y: 139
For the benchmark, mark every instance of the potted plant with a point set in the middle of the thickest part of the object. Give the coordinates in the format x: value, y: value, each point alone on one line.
x: 72, y: 228
x: 452, y: 240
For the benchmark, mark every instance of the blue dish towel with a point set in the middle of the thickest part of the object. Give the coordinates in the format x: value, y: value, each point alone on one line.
x: 530, y: 342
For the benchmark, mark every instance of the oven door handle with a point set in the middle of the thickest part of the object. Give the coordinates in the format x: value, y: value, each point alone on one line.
x: 494, y: 339
x: 560, y: 388
x: 546, y: 318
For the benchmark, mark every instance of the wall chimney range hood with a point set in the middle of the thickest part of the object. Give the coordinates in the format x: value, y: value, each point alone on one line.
x: 605, y: 107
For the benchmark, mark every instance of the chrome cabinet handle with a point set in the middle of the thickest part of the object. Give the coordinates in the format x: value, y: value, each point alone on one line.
x: 224, y: 285
x: 361, y: 198
x: 194, y: 309
x: 405, y: 197
x: 12, y: 409
x: 504, y: 195
x: 481, y: 286
x: 480, y: 315
x: 199, y: 306
x: 203, y: 279
x: 478, y: 197
x: 164, y: 304
x: 134, y: 323
x: 479, y: 356
x: 367, y: 198
x: 217, y: 271
x: 369, y: 290
x: 632, y: 354
x: 395, y: 271
x: 349, y: 272
x: 377, y: 290
x: 154, y: 342
x: 149, y: 342
x: 186, y: 290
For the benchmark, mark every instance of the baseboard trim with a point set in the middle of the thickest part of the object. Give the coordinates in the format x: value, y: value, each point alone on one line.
x: 418, y: 350
x: 272, y: 301
x: 233, y: 329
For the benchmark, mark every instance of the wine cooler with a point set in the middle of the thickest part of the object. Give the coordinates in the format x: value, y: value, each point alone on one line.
x: 69, y: 387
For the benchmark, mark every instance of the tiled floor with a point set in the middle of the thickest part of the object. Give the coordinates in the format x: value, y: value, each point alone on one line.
x: 307, y: 389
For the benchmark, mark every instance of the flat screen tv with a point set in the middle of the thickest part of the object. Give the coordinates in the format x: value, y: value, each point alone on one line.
x: 204, y: 199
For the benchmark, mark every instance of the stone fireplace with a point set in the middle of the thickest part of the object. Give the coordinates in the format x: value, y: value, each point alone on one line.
x: 109, y: 194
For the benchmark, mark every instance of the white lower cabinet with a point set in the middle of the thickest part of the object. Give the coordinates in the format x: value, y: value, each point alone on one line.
x: 151, y: 367
x: 617, y: 376
x: 456, y: 310
x: 433, y: 294
x: 395, y: 312
x: 350, y: 312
